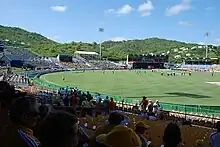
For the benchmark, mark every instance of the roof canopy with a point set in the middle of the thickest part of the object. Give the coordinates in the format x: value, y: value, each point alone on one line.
x: 86, y: 53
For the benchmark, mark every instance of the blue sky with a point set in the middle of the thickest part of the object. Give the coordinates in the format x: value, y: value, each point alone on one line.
x: 79, y: 20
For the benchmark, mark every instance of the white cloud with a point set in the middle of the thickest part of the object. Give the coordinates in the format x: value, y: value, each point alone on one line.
x: 146, y: 8
x: 176, y: 9
x: 59, y: 8
x: 184, y: 23
x: 126, y: 9
x: 118, y: 39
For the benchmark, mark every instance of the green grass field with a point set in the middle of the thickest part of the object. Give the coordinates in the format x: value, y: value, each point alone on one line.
x: 128, y: 84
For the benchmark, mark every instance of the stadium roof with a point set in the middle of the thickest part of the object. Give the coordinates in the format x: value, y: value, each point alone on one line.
x: 86, y: 53
x: 11, y: 57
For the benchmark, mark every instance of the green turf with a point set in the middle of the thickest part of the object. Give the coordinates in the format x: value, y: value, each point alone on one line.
x: 129, y: 84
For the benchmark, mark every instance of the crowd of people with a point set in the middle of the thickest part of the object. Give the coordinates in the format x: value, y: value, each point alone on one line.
x: 52, y: 120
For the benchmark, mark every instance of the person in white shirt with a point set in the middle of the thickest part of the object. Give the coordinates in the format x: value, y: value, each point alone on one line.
x: 98, y: 98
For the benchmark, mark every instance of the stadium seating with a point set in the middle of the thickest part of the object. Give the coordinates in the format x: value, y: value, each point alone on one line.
x: 189, y: 134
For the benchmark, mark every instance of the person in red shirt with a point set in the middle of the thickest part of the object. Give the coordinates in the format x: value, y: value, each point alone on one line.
x: 112, y: 105
x: 144, y: 103
x: 75, y: 98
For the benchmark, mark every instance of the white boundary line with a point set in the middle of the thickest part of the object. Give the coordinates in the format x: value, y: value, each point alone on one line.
x: 44, y: 78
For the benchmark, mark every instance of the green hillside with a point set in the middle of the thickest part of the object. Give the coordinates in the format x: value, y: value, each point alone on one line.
x: 20, y: 37
x: 111, y: 50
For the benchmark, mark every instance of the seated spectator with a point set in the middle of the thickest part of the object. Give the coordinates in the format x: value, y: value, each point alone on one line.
x: 23, y: 115
x: 142, y: 131
x: 172, y: 135
x: 6, y: 97
x: 59, y: 130
x: 87, y: 107
x: 215, y: 137
x: 114, y: 119
x: 128, y: 138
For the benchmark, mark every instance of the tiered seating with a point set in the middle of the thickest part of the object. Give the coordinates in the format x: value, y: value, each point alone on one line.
x: 17, y: 79
x: 103, y: 64
x: 189, y: 134
x: 75, y: 64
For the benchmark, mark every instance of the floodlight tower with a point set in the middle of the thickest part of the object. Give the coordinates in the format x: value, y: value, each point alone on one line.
x: 207, y: 34
x: 101, y: 30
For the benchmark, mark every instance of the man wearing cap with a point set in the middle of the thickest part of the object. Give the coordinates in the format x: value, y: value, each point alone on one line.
x: 128, y: 138
x: 142, y: 131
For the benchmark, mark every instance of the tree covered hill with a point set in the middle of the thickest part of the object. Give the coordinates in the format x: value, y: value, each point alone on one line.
x: 110, y: 49
x: 17, y: 36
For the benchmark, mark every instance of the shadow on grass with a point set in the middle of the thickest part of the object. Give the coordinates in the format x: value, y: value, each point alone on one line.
x: 174, y: 94
x: 189, y: 95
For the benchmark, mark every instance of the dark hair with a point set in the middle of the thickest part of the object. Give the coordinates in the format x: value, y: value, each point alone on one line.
x: 218, y: 126
x: 7, y: 93
x: 115, y: 118
x: 172, y: 135
x: 56, y: 128
x: 21, y: 106
x: 43, y: 111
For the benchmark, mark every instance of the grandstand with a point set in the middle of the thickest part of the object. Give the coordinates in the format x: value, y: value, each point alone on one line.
x: 147, y: 61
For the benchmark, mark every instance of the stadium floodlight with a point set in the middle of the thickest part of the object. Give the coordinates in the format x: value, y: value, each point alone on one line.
x: 100, y: 46
x: 207, y: 34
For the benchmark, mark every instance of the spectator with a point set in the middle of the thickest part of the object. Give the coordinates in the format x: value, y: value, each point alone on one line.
x: 106, y: 105
x: 82, y: 97
x: 6, y: 97
x: 112, y: 105
x: 99, y: 107
x: 59, y: 130
x: 128, y: 138
x: 89, y: 96
x: 75, y: 98
x: 24, y: 115
x: 172, y: 135
x: 87, y: 107
x: 114, y: 119
x: 215, y: 137
x: 98, y: 98
x: 142, y: 131
x: 144, y: 103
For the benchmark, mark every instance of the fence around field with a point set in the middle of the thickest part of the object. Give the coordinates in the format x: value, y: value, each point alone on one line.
x: 196, y: 109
